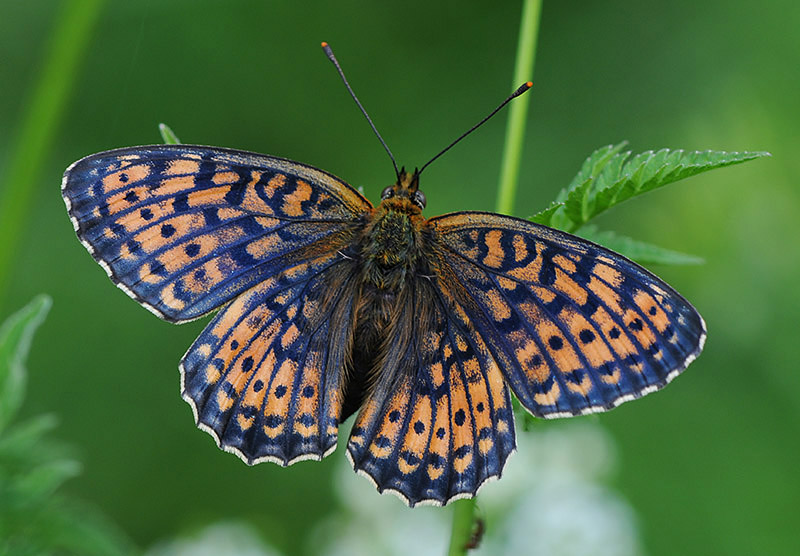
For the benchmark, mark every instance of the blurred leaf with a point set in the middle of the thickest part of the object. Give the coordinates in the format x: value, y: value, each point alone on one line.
x: 609, y: 177
x: 78, y: 529
x: 63, y: 528
x: 168, y: 135
x: 639, y: 251
x: 33, y: 518
x: 38, y: 484
x: 16, y: 442
x: 16, y: 334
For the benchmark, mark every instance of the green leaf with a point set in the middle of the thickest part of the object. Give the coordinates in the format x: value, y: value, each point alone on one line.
x: 572, y: 197
x: 16, y: 334
x: 594, y: 164
x: 168, y: 135
x: 639, y: 251
x: 576, y: 206
x: 609, y: 177
x: 545, y: 217
x: 651, y: 170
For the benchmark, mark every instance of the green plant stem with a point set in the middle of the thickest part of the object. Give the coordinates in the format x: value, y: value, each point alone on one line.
x: 463, y: 521
x: 464, y: 510
x: 39, y: 123
x: 515, y: 131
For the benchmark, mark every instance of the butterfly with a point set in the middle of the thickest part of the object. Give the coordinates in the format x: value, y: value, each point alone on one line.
x: 330, y: 306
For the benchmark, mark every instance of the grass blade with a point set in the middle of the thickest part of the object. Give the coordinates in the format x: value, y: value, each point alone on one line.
x: 40, y: 123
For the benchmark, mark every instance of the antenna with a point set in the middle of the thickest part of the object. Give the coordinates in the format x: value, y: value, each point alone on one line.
x: 332, y: 58
x: 522, y: 88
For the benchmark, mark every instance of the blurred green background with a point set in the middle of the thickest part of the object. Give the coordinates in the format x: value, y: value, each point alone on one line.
x: 710, y: 464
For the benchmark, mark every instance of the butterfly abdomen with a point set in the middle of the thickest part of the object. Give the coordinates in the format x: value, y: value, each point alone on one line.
x: 373, y: 318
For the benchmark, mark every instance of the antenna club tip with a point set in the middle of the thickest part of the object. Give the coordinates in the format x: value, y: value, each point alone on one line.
x: 522, y: 88
x: 326, y: 48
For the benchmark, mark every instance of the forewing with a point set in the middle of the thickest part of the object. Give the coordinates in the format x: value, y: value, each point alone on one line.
x: 575, y: 328
x: 184, y: 229
x: 265, y: 376
x: 438, y: 423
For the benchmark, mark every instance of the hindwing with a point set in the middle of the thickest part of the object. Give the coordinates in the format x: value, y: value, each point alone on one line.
x: 438, y: 424
x: 265, y: 376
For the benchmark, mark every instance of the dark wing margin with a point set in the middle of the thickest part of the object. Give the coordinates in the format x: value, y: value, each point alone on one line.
x: 184, y: 229
x: 575, y: 328
x: 439, y: 423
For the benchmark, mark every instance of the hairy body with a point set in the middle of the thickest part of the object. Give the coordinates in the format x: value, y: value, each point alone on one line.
x: 389, y: 251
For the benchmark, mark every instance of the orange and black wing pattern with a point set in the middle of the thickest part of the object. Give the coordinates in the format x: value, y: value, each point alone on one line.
x: 184, y: 229
x: 575, y: 328
x: 495, y: 303
x: 265, y: 378
x: 439, y: 423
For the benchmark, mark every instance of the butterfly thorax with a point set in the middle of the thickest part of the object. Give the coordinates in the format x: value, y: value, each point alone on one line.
x: 391, y: 243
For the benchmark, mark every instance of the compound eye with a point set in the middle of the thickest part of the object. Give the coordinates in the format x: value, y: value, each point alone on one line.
x: 387, y: 192
x: 419, y: 199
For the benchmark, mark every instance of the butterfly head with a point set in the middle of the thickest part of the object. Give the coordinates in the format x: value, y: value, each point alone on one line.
x: 405, y: 191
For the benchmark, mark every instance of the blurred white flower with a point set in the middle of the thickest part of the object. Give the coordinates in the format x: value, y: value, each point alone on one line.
x: 218, y: 539
x: 565, y: 520
x: 372, y: 524
x: 551, y: 500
